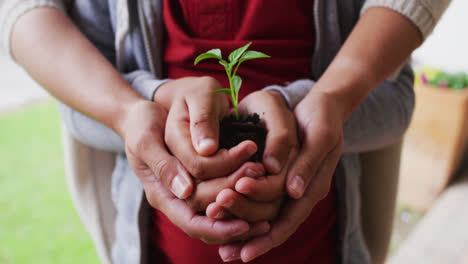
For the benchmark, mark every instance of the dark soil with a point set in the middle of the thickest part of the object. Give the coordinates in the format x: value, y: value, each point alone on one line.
x: 232, y: 132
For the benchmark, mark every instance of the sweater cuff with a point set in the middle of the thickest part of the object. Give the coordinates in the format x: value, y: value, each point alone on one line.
x: 11, y: 10
x: 422, y: 14
x: 144, y: 83
x: 294, y: 92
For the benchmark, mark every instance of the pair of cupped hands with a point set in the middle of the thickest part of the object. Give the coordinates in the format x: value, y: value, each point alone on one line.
x: 247, y: 208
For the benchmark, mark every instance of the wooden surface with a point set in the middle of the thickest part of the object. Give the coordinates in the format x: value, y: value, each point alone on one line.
x: 433, y: 146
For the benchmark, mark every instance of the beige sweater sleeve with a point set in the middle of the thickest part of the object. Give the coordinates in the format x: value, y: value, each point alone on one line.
x: 423, y: 13
x: 11, y: 10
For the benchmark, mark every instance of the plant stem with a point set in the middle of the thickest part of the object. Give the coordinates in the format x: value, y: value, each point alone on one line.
x: 234, y: 96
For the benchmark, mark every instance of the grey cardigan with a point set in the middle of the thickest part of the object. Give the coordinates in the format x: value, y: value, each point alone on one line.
x: 130, y: 35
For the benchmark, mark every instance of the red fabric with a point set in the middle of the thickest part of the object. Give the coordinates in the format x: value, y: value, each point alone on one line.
x: 281, y: 29
x: 313, y: 242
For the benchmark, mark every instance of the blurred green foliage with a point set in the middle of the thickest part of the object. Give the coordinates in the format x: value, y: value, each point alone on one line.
x: 38, y: 223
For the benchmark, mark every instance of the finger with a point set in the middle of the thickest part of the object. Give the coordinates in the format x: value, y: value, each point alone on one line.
x: 154, y: 162
x: 216, y: 211
x: 294, y: 213
x: 280, y: 124
x: 204, y: 114
x: 305, y: 167
x: 178, y: 140
x: 317, y: 143
x: 205, y: 192
x: 320, y: 184
x: 230, y: 252
x: 262, y: 189
x: 292, y: 216
x: 256, y: 229
x: 243, y: 208
x: 281, y: 139
x: 207, y: 229
x: 268, y: 188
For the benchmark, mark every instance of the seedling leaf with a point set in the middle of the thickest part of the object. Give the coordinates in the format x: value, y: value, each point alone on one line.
x: 235, y: 55
x: 252, y: 54
x: 236, y: 83
x: 235, y: 59
x: 211, y: 54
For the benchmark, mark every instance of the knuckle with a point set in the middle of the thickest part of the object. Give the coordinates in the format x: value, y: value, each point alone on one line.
x: 203, y: 118
x: 196, y: 168
x: 307, y: 165
x: 211, y: 83
x: 159, y: 167
x: 140, y: 143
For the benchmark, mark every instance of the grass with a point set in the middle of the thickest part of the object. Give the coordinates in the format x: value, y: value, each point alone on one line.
x: 38, y: 223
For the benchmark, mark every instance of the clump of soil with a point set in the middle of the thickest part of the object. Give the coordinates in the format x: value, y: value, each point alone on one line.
x: 232, y: 132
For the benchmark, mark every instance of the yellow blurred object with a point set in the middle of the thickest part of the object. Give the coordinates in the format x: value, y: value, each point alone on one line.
x: 417, y: 78
x: 431, y: 73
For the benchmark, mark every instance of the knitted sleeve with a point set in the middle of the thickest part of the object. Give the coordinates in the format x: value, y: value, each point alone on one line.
x: 423, y: 13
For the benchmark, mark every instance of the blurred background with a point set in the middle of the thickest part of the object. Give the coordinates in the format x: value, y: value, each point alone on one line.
x: 38, y: 223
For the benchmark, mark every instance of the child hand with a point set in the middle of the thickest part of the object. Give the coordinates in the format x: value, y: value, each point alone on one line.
x: 205, y: 192
x: 192, y: 127
x: 260, y: 198
x: 318, y: 116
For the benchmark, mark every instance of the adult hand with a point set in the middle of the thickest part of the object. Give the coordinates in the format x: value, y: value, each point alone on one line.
x: 260, y: 198
x: 320, y: 122
x: 146, y: 152
x: 157, y: 170
x: 209, y: 230
x: 192, y: 127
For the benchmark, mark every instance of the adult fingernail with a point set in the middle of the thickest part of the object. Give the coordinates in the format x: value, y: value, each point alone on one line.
x: 228, y: 254
x: 206, y: 144
x: 179, y: 186
x: 297, y: 187
x: 273, y: 164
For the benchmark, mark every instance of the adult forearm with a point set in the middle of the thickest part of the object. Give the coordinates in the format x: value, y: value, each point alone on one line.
x: 379, y: 44
x: 57, y: 55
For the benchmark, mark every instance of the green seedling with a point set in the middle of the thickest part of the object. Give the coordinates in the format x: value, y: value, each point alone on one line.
x: 235, y: 59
